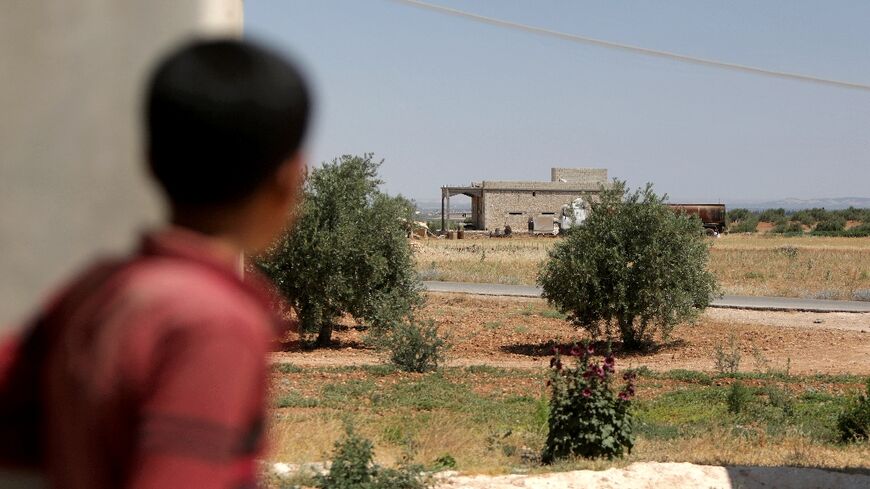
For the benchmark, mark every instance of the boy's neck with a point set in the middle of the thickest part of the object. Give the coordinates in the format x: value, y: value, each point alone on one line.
x: 224, y: 227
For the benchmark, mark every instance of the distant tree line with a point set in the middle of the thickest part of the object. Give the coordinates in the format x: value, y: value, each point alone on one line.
x: 816, y: 221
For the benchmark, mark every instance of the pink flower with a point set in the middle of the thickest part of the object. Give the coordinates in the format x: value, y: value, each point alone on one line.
x: 576, y: 351
x: 623, y: 396
x: 590, y: 350
x: 586, y: 392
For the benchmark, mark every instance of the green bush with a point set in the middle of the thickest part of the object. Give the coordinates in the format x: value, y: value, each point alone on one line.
x: 854, y: 214
x: 586, y: 418
x: 772, y: 215
x: 854, y: 423
x: 415, y: 346
x: 634, y: 267
x: 834, y: 224
x: 737, y: 215
x: 803, y: 217
x: 352, y: 468
x: 348, y: 252
x: 739, y: 397
x: 792, y: 228
x: 747, y: 225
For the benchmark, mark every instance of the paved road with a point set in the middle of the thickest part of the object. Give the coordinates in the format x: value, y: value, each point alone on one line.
x: 729, y: 301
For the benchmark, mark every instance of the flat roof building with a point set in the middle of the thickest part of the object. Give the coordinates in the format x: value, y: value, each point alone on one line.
x: 496, y: 204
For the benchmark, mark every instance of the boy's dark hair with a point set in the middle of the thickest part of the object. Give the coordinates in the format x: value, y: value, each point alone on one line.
x: 221, y: 117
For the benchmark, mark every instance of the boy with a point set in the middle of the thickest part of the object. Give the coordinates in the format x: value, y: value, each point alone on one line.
x: 150, y: 372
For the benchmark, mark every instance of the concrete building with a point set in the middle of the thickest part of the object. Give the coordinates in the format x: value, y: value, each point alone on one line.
x: 496, y: 204
x: 72, y: 179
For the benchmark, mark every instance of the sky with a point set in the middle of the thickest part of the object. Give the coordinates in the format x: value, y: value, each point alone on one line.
x: 448, y: 101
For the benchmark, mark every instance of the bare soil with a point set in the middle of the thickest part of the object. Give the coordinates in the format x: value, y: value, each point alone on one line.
x: 521, y: 333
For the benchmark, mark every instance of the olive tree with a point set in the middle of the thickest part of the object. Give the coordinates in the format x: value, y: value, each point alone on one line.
x: 347, y: 252
x: 634, y: 267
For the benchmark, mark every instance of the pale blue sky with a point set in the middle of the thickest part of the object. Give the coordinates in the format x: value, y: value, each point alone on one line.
x: 449, y: 101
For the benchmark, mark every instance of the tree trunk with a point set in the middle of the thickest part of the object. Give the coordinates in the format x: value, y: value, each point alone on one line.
x: 630, y: 339
x: 324, y: 337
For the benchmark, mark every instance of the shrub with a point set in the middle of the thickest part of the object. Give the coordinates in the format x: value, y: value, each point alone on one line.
x: 727, y: 362
x: 772, y: 215
x: 348, y: 251
x: 854, y: 423
x: 634, y: 267
x: 586, y: 419
x: 738, y: 397
x: 854, y: 214
x: 748, y: 225
x: 736, y: 215
x: 352, y: 468
x: 785, y: 227
x: 833, y: 224
x: 415, y: 346
x: 804, y: 217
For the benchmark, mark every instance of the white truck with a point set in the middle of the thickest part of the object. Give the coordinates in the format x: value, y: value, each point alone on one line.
x: 573, y: 214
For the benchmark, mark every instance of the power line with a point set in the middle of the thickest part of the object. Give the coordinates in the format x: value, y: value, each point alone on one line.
x: 636, y: 49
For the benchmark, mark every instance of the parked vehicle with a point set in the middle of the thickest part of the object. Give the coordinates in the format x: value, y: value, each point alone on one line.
x: 711, y: 215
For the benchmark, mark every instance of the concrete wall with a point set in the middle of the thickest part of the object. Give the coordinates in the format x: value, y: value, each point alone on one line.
x: 498, y: 205
x: 71, y: 179
x: 579, y: 175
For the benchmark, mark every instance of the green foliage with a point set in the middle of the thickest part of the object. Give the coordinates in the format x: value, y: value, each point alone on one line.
x: 772, y: 215
x: 747, y: 225
x: 861, y: 231
x: 854, y: 423
x: 834, y: 224
x: 790, y: 228
x: 347, y: 252
x: 444, y: 462
x: 807, y: 217
x: 854, y: 214
x: 735, y: 215
x: 634, y: 267
x: 352, y: 468
x: 586, y: 418
x: 415, y: 346
x: 738, y: 397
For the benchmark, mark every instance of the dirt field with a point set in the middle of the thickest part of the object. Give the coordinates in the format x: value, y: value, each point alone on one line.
x: 520, y: 333
x: 761, y: 265
x: 487, y: 409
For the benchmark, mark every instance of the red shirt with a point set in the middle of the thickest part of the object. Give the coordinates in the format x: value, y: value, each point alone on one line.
x: 155, y: 375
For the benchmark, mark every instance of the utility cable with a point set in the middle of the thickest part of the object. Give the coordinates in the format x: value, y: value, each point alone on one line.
x: 636, y: 49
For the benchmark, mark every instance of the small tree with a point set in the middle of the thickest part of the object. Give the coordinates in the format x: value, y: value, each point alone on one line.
x: 634, y: 267
x: 348, y: 251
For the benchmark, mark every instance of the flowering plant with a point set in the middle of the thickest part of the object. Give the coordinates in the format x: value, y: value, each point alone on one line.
x: 587, y: 418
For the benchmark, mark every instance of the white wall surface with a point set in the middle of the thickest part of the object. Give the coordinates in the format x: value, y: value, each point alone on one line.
x: 72, y: 183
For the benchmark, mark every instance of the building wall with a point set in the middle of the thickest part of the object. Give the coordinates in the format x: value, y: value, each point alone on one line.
x: 499, y: 204
x: 579, y: 175
x: 72, y: 183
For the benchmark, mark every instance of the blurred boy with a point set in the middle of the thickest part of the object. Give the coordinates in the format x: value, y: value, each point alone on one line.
x: 150, y: 372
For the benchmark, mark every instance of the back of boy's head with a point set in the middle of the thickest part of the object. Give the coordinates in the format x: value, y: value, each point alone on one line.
x: 221, y: 117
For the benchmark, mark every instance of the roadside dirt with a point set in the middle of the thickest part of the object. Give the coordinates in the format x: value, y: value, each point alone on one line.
x: 520, y: 333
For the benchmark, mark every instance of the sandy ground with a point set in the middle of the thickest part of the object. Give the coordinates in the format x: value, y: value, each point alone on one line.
x: 514, y: 333
x: 644, y: 475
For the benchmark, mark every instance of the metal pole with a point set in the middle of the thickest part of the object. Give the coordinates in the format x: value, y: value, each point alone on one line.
x: 442, y: 210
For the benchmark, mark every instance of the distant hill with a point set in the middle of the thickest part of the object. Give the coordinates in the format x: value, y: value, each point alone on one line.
x: 797, y: 204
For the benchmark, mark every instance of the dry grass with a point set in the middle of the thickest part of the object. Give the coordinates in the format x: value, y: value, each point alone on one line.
x: 503, y: 427
x: 811, y: 267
